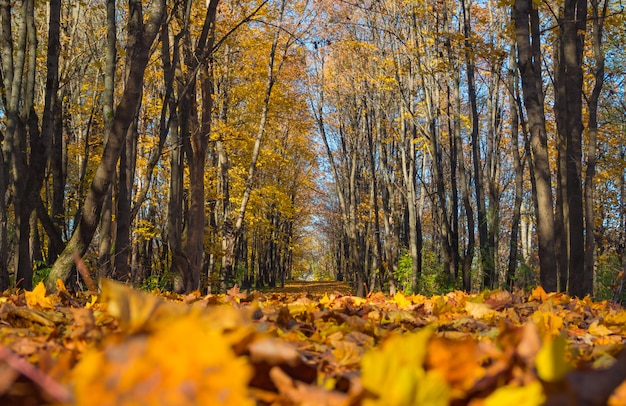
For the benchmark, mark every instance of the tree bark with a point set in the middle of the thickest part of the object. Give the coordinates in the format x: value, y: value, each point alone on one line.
x: 598, y: 16
x: 196, y: 146
x: 121, y: 265
x: 526, y: 19
x: 513, y: 89
x: 272, y: 70
x: 468, y: 255
x: 569, y: 87
x: 106, y: 219
x: 171, y: 67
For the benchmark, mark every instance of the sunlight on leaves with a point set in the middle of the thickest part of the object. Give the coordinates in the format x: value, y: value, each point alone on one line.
x: 478, y: 310
x: 184, y: 362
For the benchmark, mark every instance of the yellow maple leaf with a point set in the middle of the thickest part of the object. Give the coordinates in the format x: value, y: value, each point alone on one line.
x: 401, y: 300
x: 478, y: 310
x: 551, y: 360
x: 38, y: 299
x: 538, y: 294
x: 598, y: 330
x: 136, y: 310
x: 529, y: 395
x: 617, y: 319
x: 549, y: 323
x: 346, y: 353
x: 186, y: 362
x: 457, y: 360
x: 395, y: 373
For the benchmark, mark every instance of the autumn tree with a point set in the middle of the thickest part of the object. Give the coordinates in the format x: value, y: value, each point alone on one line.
x: 526, y: 18
x: 140, y: 38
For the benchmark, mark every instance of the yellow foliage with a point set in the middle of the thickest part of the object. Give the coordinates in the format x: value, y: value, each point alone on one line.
x: 175, y: 355
x: 37, y: 298
x: 185, y: 362
x: 551, y: 361
x: 395, y: 373
x: 529, y: 395
x: 401, y: 300
x: 598, y: 330
x: 549, y: 323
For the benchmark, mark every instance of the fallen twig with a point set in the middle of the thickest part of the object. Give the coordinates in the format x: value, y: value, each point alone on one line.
x: 57, y: 391
x: 84, y: 272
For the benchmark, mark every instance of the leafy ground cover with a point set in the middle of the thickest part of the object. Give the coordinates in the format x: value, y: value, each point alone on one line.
x: 308, y: 345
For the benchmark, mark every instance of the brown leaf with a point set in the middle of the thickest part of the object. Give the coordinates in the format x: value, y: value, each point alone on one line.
x: 274, y: 352
x: 8, y: 376
x: 302, y: 394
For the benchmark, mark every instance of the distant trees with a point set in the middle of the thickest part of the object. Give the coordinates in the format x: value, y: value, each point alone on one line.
x: 466, y: 147
x: 104, y: 125
x: 426, y: 145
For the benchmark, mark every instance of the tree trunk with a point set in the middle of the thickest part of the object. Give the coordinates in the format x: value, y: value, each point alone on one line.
x: 179, y: 264
x: 230, y: 237
x: 569, y: 86
x: 513, y: 88
x: 407, y: 157
x: 4, y: 237
x: 598, y: 16
x: 141, y: 37
x: 526, y: 19
x: 486, y: 251
x: 468, y: 255
x: 106, y: 219
x: 197, y: 141
x: 123, y: 199
x: 388, y: 238
x: 24, y: 146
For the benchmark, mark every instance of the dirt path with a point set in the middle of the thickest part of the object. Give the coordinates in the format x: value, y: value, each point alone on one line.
x: 314, y: 288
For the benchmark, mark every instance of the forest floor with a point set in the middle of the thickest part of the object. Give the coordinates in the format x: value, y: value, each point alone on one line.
x: 309, y: 343
x: 314, y: 288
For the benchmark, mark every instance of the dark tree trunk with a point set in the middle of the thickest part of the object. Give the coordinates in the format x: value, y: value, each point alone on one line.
x: 106, y: 219
x: 197, y: 151
x: 598, y: 16
x: 121, y: 266
x: 569, y: 87
x: 6, y: 82
x: 179, y: 264
x: 526, y: 19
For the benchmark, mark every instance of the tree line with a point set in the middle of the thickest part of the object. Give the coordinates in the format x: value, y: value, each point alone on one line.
x: 398, y: 145
x: 474, y: 144
x: 155, y: 140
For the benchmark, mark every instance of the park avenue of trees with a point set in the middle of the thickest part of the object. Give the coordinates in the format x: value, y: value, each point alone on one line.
x: 421, y: 146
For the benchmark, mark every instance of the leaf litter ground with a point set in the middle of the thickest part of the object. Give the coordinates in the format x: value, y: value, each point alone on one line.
x: 309, y: 344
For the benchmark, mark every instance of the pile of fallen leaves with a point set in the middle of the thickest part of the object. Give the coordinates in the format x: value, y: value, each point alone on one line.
x: 126, y: 347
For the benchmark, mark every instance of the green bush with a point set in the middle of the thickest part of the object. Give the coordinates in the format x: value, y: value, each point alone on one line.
x: 163, y: 282
x: 609, y: 266
x: 432, y: 281
x: 404, y: 271
x: 41, y: 272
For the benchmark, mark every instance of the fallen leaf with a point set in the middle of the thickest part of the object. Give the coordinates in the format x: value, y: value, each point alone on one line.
x: 551, y: 360
x: 37, y: 299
